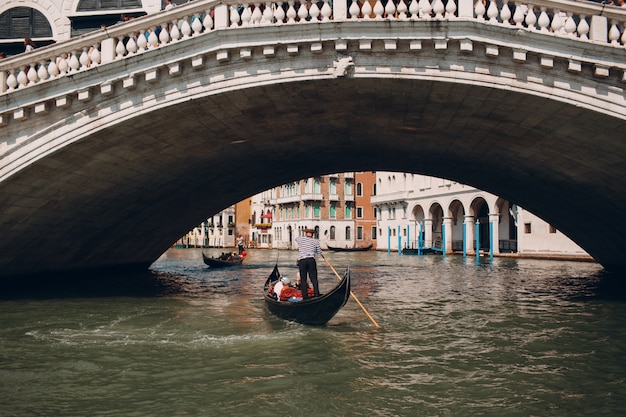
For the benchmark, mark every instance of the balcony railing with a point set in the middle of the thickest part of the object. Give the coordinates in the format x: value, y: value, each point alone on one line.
x: 585, y: 21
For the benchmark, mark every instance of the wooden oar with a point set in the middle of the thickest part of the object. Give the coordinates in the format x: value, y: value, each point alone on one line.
x: 353, y: 296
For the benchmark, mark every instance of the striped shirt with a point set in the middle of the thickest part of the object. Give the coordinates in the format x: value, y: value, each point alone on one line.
x: 308, y: 247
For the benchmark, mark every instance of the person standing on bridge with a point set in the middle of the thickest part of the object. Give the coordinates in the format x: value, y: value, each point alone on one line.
x: 308, y: 247
x: 169, y: 5
x: 29, y: 45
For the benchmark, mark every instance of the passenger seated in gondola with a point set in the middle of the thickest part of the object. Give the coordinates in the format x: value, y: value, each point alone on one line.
x: 224, y: 256
x: 282, y: 283
x: 290, y: 293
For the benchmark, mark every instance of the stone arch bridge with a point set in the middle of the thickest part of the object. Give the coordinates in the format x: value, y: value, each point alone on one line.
x: 115, y: 143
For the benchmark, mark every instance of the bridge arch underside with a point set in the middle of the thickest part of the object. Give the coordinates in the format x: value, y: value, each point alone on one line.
x: 122, y: 195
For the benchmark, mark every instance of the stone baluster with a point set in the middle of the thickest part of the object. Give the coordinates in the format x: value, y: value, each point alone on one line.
x: 354, y: 10
x: 279, y: 13
x: 479, y: 10
x: 314, y: 11
x: 414, y: 9
x: 379, y: 10
x: 120, y: 50
x: 175, y: 34
x: 234, y: 17
x: 303, y: 12
x: 438, y: 9
x: 63, y: 65
x: 366, y: 9
x: 614, y: 33
x: 153, y: 39
x: 291, y: 12
x: 131, y: 45
x: 185, y: 28
x: 531, y: 17
x: 327, y: 11
x: 505, y: 13
x: 570, y: 25
x: 196, y: 24
x: 12, y: 82
x: 583, y: 27
x: 257, y: 15
x: 53, y: 68
x: 544, y: 20
x: 390, y: 10
x: 164, y: 34
x: 22, y: 78
x: 42, y: 70
x: 207, y: 22
x: 492, y: 12
x: 73, y: 62
x: 85, y: 60
x: 518, y: 15
x: 425, y: 9
x: 557, y: 22
x: 32, y: 75
x: 402, y: 10
x: 246, y: 15
x: 96, y: 56
x: 451, y: 9
x: 623, y: 39
x: 268, y: 14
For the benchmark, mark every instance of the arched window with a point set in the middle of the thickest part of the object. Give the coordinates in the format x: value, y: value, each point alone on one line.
x: 24, y: 22
x: 348, y: 233
x: 332, y: 232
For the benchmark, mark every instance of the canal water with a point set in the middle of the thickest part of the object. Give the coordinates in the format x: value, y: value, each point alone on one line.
x: 456, y: 338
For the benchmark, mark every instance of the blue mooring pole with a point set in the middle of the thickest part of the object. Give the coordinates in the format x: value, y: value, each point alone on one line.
x: 464, y: 240
x: 408, y: 236
x: 388, y: 239
x: 419, y: 240
x: 399, y: 242
x: 477, y: 241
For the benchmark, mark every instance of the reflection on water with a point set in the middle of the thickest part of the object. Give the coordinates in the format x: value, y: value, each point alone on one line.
x: 512, y: 338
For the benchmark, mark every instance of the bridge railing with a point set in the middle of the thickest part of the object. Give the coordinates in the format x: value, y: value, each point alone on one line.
x: 584, y: 21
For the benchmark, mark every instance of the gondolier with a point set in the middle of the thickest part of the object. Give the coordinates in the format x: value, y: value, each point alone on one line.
x: 308, y: 247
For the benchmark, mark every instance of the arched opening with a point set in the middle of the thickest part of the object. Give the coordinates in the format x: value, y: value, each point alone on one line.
x: 436, y: 215
x: 19, y: 23
x: 94, y: 13
x: 481, y: 215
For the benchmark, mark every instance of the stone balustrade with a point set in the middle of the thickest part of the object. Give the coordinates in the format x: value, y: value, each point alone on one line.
x: 583, y: 21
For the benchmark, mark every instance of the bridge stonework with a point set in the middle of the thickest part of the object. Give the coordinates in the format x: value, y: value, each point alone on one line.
x: 114, y: 144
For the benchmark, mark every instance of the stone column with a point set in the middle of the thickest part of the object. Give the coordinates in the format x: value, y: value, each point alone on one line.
x: 447, y: 221
x: 428, y: 233
x: 468, y: 239
x: 494, y: 227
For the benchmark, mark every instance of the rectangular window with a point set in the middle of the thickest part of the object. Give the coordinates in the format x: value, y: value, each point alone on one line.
x: 527, y: 228
x: 359, y: 212
x: 359, y: 232
x: 374, y: 233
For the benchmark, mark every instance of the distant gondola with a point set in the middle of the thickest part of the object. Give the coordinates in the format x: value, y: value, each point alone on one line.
x: 222, y: 263
x: 353, y: 249
x: 313, y: 311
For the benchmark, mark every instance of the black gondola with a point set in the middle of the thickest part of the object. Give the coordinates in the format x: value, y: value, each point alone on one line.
x: 222, y: 263
x: 353, y: 249
x: 315, y: 311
